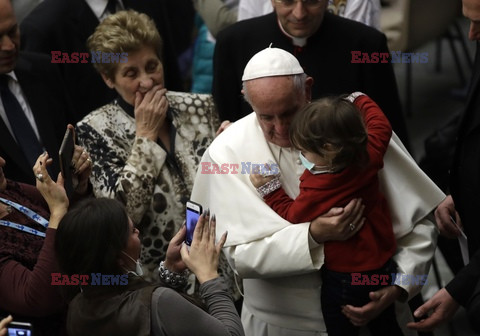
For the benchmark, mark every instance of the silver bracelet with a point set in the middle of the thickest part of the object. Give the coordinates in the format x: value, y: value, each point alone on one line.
x: 269, y: 187
x: 173, y: 279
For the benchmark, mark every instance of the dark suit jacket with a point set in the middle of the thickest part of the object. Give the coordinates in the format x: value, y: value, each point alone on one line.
x: 465, y: 187
x: 44, y: 90
x: 326, y: 57
x: 473, y: 309
x: 65, y: 25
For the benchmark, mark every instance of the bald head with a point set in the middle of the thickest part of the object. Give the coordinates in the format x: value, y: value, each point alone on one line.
x: 9, y: 37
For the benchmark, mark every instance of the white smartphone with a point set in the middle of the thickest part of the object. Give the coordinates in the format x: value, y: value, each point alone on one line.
x: 19, y: 329
x: 194, y: 210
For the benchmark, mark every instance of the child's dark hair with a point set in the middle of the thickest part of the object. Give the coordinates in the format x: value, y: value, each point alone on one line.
x: 332, y: 127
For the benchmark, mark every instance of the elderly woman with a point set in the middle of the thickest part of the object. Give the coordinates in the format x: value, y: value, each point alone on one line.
x: 146, y: 145
x: 134, y: 306
x: 27, y: 238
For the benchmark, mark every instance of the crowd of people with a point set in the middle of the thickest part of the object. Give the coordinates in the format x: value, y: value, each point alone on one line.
x: 299, y: 158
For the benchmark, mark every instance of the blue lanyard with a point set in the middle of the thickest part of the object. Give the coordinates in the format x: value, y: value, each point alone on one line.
x: 27, y: 212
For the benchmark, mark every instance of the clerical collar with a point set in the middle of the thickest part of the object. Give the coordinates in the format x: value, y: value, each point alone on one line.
x: 297, y: 41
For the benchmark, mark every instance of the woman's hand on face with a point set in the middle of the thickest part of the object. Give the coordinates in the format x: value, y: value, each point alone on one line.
x: 150, y: 112
x: 202, y: 259
x: 338, y: 223
x: 82, y: 163
x: 53, y: 192
x: 173, y: 259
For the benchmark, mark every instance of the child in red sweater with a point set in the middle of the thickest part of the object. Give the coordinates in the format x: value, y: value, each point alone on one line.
x: 342, y: 141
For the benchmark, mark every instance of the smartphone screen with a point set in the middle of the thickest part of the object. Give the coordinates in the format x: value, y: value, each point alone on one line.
x: 19, y: 329
x: 65, y: 155
x: 194, y: 210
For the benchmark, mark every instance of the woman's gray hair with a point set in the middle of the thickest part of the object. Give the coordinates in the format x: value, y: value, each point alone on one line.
x: 298, y: 84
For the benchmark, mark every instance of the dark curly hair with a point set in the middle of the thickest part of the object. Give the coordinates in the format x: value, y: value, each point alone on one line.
x: 333, y: 128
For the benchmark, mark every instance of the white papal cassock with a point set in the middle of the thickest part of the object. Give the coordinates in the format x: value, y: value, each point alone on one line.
x: 278, y: 261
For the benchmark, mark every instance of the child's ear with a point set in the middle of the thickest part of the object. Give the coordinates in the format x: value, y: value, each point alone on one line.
x: 328, y: 146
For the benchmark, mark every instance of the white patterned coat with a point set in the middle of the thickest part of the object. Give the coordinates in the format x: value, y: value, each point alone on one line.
x: 138, y: 171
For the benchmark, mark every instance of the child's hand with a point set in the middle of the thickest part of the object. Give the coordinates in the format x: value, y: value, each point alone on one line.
x: 259, y: 180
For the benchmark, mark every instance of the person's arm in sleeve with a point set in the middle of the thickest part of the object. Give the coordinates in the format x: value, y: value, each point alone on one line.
x: 131, y: 180
x: 444, y: 304
x: 270, y: 188
x: 248, y: 9
x: 364, y: 11
x: 462, y: 286
x: 29, y: 292
x: 378, y: 127
x: 216, y: 14
x: 181, y: 316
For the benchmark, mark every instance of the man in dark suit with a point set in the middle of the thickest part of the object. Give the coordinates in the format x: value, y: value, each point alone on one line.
x: 34, y: 86
x: 322, y: 42
x: 463, y: 205
x: 65, y: 25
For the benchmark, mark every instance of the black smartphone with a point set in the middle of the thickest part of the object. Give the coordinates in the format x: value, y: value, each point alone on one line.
x: 194, y: 210
x: 66, y: 155
x: 19, y: 329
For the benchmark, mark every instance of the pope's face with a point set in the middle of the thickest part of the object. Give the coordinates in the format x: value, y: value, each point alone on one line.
x: 300, y: 20
x: 471, y: 10
x: 275, y: 101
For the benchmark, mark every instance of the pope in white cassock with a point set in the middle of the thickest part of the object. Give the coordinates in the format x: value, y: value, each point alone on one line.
x: 279, y: 262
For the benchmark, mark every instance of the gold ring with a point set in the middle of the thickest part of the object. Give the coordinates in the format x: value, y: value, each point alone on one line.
x: 39, y: 177
x: 89, y: 160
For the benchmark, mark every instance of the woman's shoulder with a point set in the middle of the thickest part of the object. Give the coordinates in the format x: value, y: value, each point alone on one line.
x: 195, y: 110
x: 105, y: 115
x: 190, y: 104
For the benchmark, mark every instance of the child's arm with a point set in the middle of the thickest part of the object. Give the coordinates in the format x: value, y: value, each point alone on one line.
x: 378, y: 126
x: 270, y: 188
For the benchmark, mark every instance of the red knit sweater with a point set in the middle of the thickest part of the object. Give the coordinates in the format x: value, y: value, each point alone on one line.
x: 375, y: 243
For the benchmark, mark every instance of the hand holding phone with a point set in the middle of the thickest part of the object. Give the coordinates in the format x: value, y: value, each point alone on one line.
x: 19, y: 329
x: 194, y: 210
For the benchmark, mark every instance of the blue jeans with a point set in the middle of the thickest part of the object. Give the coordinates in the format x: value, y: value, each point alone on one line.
x: 337, y: 291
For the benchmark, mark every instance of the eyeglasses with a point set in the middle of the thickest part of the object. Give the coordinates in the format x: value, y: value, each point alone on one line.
x: 307, y: 3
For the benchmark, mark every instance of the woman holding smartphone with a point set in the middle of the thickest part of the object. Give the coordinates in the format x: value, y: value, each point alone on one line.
x: 28, y: 225
x: 137, y: 307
